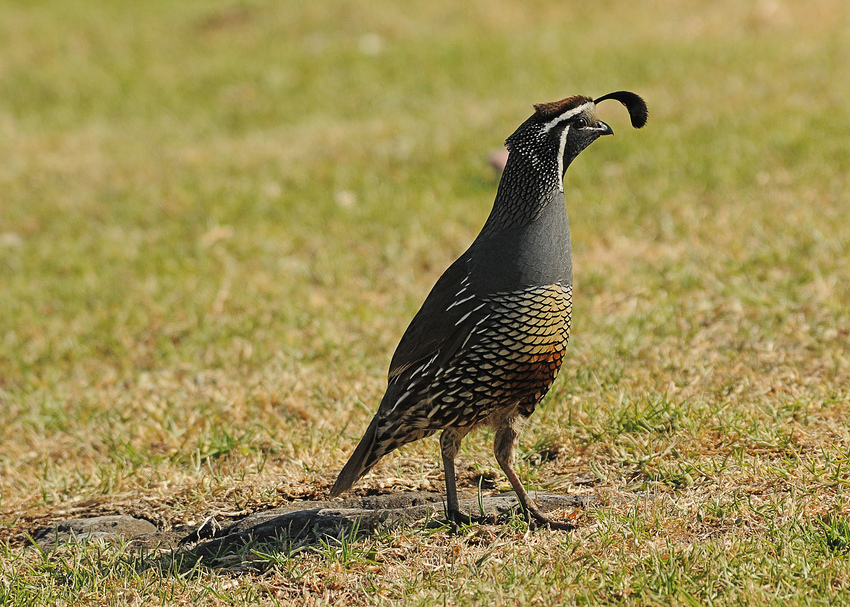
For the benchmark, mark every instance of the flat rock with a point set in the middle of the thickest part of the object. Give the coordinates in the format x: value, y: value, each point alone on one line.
x: 294, y: 525
x: 106, y: 528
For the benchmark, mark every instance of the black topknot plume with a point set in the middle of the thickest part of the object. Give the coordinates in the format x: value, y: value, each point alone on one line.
x: 636, y: 106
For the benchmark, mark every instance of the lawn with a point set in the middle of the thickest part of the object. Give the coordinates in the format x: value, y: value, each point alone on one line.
x: 218, y: 216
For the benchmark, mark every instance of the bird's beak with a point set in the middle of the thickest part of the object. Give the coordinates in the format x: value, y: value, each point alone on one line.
x: 604, y: 129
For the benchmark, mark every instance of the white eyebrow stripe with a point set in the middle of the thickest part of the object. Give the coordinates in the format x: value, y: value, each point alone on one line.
x: 566, y: 116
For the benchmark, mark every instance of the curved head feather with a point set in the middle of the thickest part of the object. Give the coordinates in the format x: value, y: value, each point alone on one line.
x: 638, y: 111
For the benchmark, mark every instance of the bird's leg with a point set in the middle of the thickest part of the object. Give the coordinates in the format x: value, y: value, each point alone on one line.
x: 504, y: 451
x: 449, y: 447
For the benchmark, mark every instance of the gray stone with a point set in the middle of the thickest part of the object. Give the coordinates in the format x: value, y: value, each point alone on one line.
x: 104, y: 528
x: 292, y: 526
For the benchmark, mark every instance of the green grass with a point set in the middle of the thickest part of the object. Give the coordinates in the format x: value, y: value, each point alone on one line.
x: 217, y: 218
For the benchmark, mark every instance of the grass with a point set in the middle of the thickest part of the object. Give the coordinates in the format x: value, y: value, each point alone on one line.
x: 216, y: 219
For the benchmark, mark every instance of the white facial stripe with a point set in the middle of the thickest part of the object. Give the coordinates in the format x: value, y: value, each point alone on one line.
x: 561, y: 146
x: 566, y: 116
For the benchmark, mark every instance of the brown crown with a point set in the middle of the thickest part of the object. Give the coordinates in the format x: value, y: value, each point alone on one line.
x: 554, y: 108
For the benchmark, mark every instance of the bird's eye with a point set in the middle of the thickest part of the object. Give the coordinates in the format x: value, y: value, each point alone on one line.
x: 580, y: 123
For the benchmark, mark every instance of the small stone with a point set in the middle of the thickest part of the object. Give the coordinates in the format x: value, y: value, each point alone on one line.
x: 105, y: 528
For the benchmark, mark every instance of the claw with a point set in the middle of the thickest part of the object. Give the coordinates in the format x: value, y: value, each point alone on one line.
x: 457, y: 518
x: 537, y: 518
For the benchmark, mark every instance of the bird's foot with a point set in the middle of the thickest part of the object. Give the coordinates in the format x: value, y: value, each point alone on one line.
x: 456, y: 519
x: 537, y: 519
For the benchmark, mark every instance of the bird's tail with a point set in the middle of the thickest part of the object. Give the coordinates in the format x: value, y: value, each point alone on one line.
x: 360, y: 462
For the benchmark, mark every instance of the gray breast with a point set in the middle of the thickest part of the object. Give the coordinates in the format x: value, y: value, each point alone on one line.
x: 530, y: 255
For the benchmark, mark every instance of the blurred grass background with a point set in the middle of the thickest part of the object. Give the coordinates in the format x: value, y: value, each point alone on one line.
x: 217, y: 218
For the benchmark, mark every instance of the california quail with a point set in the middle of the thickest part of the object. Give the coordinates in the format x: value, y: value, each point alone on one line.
x: 489, y: 340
